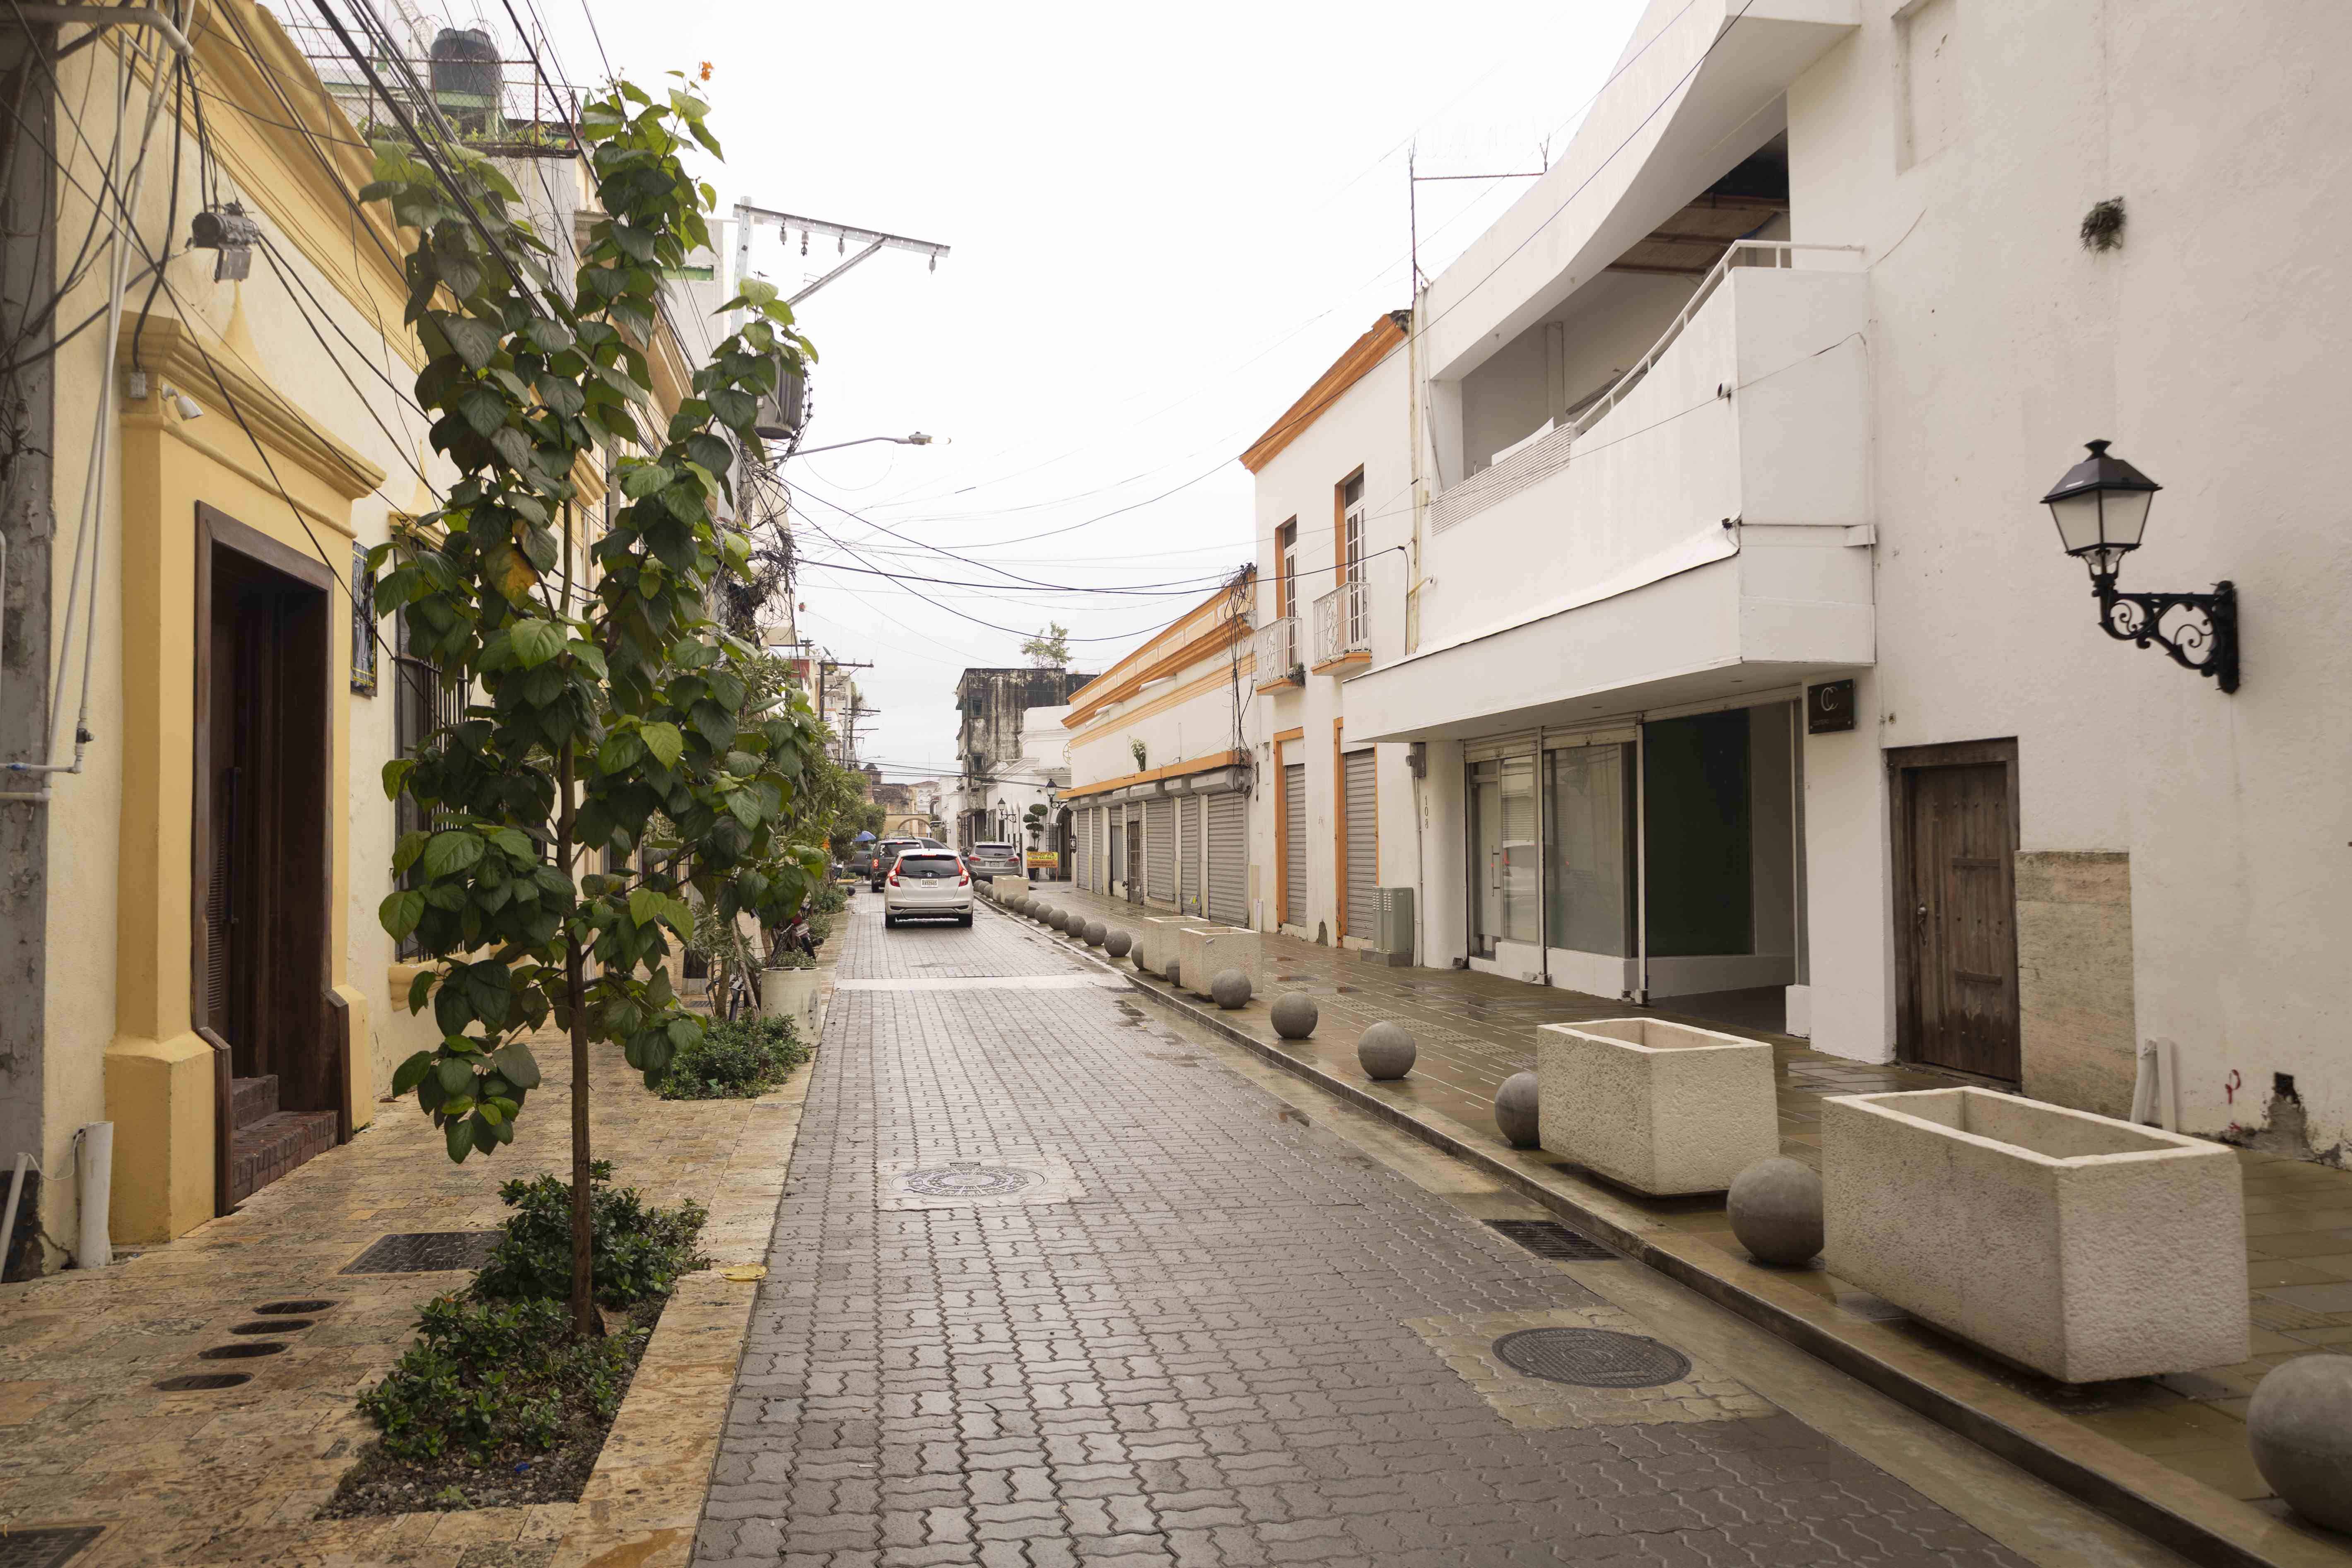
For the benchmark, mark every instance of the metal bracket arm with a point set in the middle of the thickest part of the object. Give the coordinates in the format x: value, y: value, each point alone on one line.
x: 2206, y: 642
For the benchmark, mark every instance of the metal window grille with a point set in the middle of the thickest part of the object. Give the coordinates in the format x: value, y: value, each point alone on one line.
x: 363, y: 673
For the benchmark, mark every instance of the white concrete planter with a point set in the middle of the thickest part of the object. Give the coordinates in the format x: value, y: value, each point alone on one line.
x: 1002, y: 886
x: 791, y: 993
x: 1205, y: 952
x: 1155, y: 938
x: 2081, y: 1246
x: 1658, y: 1107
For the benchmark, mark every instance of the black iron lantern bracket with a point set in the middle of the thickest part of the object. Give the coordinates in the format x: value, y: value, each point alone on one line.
x: 2205, y: 640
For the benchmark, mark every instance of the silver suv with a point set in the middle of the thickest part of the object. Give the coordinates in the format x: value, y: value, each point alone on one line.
x: 994, y: 860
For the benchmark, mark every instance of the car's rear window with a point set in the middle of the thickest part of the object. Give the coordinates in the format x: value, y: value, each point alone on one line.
x: 927, y: 866
x: 992, y: 849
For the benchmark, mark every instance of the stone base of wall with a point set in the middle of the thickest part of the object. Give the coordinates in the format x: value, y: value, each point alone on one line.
x: 2078, y: 1041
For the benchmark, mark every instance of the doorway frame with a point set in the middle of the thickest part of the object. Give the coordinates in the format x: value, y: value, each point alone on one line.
x: 1902, y: 763
x: 215, y: 528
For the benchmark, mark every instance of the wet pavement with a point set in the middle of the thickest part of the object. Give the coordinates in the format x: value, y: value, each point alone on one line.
x: 1053, y: 1284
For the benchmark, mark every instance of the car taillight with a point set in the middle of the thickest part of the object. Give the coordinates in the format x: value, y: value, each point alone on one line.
x: 963, y: 879
x: 893, y: 879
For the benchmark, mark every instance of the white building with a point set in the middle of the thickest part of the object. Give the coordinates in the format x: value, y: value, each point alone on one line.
x: 1157, y: 805
x: 1741, y: 655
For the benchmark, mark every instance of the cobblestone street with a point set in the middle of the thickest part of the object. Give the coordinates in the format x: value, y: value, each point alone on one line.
x: 1052, y: 1285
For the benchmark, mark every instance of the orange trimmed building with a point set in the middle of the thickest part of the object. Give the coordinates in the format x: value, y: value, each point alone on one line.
x: 1159, y: 769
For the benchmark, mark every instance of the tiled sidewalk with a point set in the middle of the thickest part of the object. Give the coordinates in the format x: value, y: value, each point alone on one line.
x: 1475, y: 1030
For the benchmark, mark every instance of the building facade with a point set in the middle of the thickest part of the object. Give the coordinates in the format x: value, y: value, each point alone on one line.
x: 1745, y: 665
x: 993, y: 738
x: 1161, y: 769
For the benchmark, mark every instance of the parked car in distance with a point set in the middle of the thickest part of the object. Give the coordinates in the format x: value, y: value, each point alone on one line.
x: 926, y: 881
x: 887, y: 851
x: 860, y: 862
x: 993, y: 860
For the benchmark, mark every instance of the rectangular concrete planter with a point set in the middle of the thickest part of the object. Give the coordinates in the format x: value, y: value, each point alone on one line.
x: 1205, y: 952
x: 1001, y: 885
x: 1155, y: 937
x: 2079, y: 1246
x: 791, y: 993
x: 1658, y: 1107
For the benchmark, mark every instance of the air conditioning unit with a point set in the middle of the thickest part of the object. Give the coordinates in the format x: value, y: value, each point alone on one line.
x: 1392, y: 927
x: 782, y: 411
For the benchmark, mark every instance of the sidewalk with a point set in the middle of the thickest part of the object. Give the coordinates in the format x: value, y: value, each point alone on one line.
x: 203, y: 1478
x: 2171, y: 1451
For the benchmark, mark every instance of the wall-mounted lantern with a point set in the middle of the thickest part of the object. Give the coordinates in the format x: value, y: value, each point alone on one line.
x: 2101, y: 506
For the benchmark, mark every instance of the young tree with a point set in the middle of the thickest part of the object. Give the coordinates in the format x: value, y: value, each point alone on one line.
x: 1049, y: 649
x: 596, y: 696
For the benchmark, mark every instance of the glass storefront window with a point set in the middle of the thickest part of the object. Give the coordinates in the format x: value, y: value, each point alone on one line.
x: 1588, y: 873
x: 1502, y: 854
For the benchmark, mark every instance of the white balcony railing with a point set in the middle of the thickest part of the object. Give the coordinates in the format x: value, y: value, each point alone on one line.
x: 1546, y: 453
x: 1277, y: 651
x: 1343, y: 623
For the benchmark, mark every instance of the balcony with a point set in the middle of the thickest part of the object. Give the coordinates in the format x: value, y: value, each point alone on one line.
x: 1697, y: 530
x: 1343, y: 630
x: 1277, y: 656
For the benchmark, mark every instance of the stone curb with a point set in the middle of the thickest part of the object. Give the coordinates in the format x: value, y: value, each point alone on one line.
x: 2201, y: 1523
x: 642, y: 1503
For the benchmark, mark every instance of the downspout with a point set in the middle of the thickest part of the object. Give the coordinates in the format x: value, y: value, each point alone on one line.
x: 1412, y: 611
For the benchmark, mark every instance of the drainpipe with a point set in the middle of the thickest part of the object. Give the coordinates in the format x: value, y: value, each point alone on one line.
x: 1543, y: 869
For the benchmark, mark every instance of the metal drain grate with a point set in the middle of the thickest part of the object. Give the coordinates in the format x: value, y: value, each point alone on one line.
x: 1593, y: 1358
x: 425, y: 1252
x: 203, y: 1382
x: 1549, y: 1238
x: 52, y: 1548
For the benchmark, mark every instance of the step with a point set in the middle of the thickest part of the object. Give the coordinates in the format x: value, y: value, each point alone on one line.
x: 272, y: 1146
x: 252, y: 1099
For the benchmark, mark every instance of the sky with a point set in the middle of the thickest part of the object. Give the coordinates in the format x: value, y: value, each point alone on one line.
x: 1163, y: 225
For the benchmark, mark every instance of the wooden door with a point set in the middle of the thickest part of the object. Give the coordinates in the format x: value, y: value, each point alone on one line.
x: 1956, y: 921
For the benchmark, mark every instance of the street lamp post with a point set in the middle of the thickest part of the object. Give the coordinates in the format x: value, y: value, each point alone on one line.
x: 917, y: 439
x: 2101, y: 505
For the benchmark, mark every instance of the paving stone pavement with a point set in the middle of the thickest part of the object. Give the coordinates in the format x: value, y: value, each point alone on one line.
x: 1176, y: 1324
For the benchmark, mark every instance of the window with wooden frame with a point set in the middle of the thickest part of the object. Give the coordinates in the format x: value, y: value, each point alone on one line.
x: 1285, y: 566
x: 1351, y: 528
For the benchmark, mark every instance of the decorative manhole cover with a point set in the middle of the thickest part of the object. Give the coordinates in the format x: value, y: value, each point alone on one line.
x: 968, y: 1179
x: 46, y: 1548
x: 244, y: 1351
x: 203, y: 1382
x: 1593, y: 1358
x: 425, y: 1252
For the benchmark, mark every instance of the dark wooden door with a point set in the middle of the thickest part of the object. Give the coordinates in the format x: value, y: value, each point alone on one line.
x: 1959, y: 907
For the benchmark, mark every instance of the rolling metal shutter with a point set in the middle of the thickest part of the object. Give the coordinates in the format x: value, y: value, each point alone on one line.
x: 1363, y: 841
x: 1228, y: 845
x: 1081, y: 864
x: 1160, y: 847
x: 1188, y: 815
x: 1294, y: 849
x: 1102, y: 867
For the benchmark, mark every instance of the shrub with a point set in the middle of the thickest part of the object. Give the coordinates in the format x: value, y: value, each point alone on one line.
x: 638, y: 1252
x: 735, y: 1061
x: 487, y: 1379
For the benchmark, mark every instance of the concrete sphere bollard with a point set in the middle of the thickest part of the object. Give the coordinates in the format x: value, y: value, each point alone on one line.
x: 2299, y: 1427
x: 1059, y: 919
x: 1118, y: 942
x: 1175, y: 971
x: 1096, y: 931
x: 1515, y: 1112
x: 1775, y: 1207
x: 1295, y: 1014
x: 1386, y: 1051
x: 1230, y: 989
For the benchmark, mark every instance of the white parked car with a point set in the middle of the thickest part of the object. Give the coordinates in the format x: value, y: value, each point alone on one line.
x: 927, y: 882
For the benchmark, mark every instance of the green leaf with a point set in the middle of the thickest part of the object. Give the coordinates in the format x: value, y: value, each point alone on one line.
x: 460, y: 1137
x: 645, y: 480
x: 396, y: 773
x: 420, y: 989
x: 516, y: 843
x: 411, y: 1072
x: 455, y: 1074
x: 621, y: 750
x: 400, y: 911
x: 515, y: 1063
x: 645, y: 906
x: 477, y: 342
x: 512, y: 445
x: 536, y: 641
x: 746, y: 809
x: 664, y: 742
x: 450, y: 851
x: 404, y: 853
x: 483, y: 408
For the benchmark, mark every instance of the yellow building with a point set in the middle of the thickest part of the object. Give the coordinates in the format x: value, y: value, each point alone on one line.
x: 191, y: 941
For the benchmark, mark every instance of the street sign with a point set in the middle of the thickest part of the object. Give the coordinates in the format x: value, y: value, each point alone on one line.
x: 1043, y: 859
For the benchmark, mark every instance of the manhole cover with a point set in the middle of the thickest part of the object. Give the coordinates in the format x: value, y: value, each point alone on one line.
x: 1593, y: 1358
x: 1549, y: 1238
x: 46, y: 1548
x: 294, y: 1308
x: 244, y: 1351
x: 425, y: 1252
x: 271, y: 1326
x: 203, y: 1382
x: 968, y: 1179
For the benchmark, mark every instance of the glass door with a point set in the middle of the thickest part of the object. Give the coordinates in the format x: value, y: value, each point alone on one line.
x: 1588, y: 873
x: 1504, y: 906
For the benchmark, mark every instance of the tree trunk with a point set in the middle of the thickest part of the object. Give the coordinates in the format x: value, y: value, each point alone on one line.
x: 585, y: 1321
